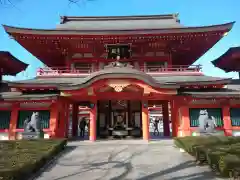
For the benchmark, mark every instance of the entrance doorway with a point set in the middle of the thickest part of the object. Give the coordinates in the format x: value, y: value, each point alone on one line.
x: 123, y: 118
x: 119, y: 119
x: 159, y: 119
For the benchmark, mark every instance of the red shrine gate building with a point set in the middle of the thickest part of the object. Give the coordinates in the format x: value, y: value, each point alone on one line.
x: 120, y: 68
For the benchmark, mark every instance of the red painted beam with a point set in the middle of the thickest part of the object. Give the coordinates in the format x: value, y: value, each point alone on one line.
x: 4, y: 130
x: 38, y: 100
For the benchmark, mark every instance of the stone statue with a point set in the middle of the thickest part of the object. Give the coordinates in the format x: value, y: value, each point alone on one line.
x: 203, y: 115
x: 25, y: 124
x: 34, y: 125
x: 210, y: 124
x: 206, y: 123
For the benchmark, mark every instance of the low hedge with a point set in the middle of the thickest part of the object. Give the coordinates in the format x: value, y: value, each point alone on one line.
x: 229, y: 164
x: 213, y: 159
x: 222, y: 153
x: 21, y: 158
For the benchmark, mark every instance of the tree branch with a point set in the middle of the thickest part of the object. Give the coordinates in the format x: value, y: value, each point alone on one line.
x: 12, y: 2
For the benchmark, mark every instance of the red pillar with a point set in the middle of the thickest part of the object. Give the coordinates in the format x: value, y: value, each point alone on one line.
x: 67, y: 121
x: 54, y: 118
x: 93, y: 122
x: 184, y: 121
x: 227, y: 121
x: 165, y: 111
x: 74, y: 120
x: 13, y: 121
x: 62, y: 129
x: 145, y: 122
x: 174, y: 117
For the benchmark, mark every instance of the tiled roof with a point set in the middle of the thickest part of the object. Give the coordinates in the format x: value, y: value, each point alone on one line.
x: 11, y: 65
x: 155, y: 80
x: 135, y: 31
x: 119, y: 22
x: 229, y: 61
x: 14, y: 96
x: 213, y: 93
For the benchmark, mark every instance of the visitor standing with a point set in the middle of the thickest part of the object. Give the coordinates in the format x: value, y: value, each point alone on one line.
x: 82, y: 126
x: 156, y: 130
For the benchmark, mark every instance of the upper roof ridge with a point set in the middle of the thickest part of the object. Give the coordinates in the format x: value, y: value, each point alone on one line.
x: 65, y: 19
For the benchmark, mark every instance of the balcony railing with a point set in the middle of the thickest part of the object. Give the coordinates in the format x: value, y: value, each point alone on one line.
x: 174, y: 68
x: 83, y: 71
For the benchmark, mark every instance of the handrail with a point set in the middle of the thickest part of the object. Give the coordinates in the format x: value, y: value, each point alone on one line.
x: 84, y: 71
x: 192, y: 68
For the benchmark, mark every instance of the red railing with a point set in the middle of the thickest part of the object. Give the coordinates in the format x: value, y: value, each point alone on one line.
x: 174, y: 68
x: 84, y: 71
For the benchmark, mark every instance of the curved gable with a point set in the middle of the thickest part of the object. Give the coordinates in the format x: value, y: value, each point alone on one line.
x: 114, y: 71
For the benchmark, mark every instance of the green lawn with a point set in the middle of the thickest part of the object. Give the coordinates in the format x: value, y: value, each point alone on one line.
x: 20, y: 159
x: 221, y: 153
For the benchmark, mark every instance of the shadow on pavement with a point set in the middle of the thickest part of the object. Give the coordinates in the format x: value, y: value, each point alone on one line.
x: 124, y: 166
x: 128, y: 168
x: 181, y: 166
x: 52, y: 162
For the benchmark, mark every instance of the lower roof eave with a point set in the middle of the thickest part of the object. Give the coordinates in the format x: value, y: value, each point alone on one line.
x: 214, y: 95
x: 76, y: 87
x: 218, y: 96
x: 22, y: 85
x: 203, y: 29
x: 40, y: 97
x: 224, y: 81
x: 223, y: 67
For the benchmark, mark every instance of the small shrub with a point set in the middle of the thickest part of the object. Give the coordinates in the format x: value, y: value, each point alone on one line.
x: 222, y: 153
x: 200, y: 154
x: 228, y: 164
x: 213, y: 158
x: 19, y: 159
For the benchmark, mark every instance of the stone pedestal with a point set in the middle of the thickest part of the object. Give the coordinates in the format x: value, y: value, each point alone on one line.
x: 119, y: 133
x: 32, y: 135
x: 216, y: 133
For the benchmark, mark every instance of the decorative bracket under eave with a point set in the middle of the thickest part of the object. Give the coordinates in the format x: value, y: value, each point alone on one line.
x: 118, y: 85
x: 148, y: 89
x: 65, y: 94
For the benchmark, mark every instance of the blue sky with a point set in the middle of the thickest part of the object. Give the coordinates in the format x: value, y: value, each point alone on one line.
x: 45, y: 14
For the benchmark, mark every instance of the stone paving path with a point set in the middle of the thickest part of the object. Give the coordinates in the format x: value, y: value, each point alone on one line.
x: 125, y: 159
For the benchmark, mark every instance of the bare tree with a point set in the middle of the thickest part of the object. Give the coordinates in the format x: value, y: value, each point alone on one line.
x: 13, y: 3
x: 6, y: 2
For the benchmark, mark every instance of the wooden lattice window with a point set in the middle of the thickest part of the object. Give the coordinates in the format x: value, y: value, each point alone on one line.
x: 235, y: 116
x: 5, y: 117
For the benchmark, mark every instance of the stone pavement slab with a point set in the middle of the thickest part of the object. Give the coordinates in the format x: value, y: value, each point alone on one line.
x: 125, y: 159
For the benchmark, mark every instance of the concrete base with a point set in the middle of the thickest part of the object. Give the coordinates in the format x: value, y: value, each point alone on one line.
x: 182, y: 150
x: 32, y: 135
x: 210, y: 133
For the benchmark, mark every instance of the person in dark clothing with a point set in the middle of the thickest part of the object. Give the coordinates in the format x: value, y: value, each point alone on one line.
x: 82, y: 126
x: 156, y: 122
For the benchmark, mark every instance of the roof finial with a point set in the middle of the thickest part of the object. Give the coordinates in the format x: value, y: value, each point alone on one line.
x: 63, y: 19
x: 176, y: 16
